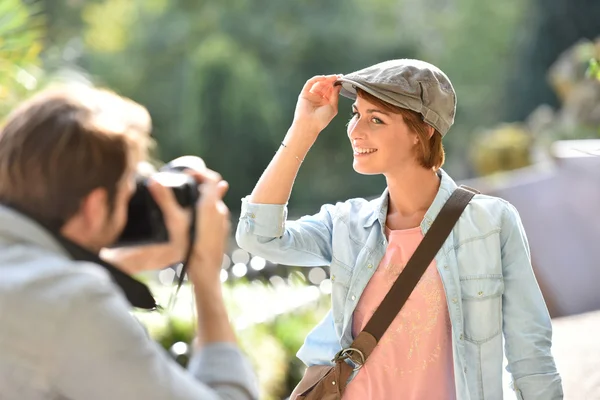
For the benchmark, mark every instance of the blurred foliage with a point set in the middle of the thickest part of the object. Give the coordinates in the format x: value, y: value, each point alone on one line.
x: 572, y: 76
x: 573, y: 67
x: 594, y: 69
x: 21, y: 32
x: 575, y: 78
x: 505, y: 148
x: 549, y: 28
x: 272, y: 348
x: 221, y: 78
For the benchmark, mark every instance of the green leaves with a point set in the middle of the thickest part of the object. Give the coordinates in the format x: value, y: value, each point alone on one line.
x: 593, y: 70
x: 21, y: 32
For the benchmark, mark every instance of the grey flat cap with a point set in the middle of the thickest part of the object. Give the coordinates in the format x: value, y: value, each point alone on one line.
x: 411, y: 84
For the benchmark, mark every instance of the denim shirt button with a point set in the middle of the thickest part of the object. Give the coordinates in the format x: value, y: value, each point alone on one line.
x: 353, y: 297
x: 461, y: 336
x: 370, y: 266
x: 454, y: 300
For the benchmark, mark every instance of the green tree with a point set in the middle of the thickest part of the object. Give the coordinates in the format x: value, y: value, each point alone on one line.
x: 221, y: 78
x: 553, y: 27
x: 594, y: 69
x: 21, y: 35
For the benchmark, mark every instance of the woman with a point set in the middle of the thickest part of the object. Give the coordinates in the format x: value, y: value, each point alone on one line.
x: 446, y: 342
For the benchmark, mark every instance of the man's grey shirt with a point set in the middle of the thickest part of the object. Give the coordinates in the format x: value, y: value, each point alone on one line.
x: 66, y: 333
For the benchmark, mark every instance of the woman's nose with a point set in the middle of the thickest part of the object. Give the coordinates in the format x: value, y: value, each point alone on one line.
x: 354, y: 129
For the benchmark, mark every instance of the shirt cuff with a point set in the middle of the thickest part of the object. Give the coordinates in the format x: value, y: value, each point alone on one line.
x: 267, y: 220
x: 223, y: 364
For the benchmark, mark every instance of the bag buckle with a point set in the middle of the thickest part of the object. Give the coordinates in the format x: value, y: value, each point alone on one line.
x: 353, y: 354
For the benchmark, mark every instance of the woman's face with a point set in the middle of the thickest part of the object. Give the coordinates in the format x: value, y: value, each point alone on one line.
x: 381, y: 141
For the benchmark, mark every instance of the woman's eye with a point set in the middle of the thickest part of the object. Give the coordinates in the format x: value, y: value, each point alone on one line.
x: 376, y: 120
x: 352, y: 115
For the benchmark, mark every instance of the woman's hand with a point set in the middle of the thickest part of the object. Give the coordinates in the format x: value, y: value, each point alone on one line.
x: 317, y: 104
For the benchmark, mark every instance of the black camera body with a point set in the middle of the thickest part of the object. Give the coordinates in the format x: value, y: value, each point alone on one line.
x: 145, y: 222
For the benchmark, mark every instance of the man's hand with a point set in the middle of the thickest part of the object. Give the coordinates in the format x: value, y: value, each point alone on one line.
x: 212, y: 229
x: 136, y: 259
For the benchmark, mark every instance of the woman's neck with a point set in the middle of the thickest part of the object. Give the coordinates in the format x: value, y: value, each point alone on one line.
x: 410, y: 196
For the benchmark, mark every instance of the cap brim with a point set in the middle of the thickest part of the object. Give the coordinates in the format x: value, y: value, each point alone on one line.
x: 349, y: 87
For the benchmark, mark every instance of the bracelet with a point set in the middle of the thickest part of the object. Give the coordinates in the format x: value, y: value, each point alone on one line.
x: 297, y: 158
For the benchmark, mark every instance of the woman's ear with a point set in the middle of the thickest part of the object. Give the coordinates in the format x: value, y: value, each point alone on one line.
x: 430, y: 131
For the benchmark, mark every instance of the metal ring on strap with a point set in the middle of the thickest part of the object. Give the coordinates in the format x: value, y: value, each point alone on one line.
x: 347, y: 353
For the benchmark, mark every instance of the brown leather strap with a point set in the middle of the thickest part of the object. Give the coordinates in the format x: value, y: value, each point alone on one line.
x: 410, y: 276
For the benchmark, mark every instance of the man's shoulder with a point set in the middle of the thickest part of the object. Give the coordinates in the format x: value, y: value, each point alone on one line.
x: 40, y: 296
x: 45, y: 285
x: 28, y: 269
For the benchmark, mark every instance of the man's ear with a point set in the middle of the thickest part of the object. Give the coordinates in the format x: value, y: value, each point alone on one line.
x: 94, y: 209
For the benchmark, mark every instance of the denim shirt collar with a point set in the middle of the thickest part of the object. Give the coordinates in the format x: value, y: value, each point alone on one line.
x: 380, y: 205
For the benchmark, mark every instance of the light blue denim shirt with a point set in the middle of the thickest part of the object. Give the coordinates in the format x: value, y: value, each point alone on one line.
x: 484, y: 265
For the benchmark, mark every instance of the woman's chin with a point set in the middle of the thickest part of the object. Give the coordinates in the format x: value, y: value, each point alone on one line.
x: 365, y: 169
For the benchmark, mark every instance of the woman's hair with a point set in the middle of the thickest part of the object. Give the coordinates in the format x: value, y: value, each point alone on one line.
x: 430, y: 153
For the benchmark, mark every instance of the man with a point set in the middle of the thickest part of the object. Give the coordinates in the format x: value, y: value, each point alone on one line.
x: 67, y: 171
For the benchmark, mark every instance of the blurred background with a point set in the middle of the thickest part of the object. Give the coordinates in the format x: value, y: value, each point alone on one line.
x: 221, y: 78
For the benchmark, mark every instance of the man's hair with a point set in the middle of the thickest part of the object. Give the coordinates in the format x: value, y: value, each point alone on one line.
x: 430, y: 153
x: 65, y: 142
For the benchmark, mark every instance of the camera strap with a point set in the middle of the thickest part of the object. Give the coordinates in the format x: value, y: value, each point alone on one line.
x: 137, y: 293
x: 173, y: 165
x: 185, y: 263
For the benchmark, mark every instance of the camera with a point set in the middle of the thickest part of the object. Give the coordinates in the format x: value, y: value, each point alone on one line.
x: 145, y: 222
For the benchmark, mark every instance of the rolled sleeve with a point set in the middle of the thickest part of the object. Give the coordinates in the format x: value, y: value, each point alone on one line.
x: 546, y: 386
x: 526, y: 322
x: 264, y: 230
x: 266, y: 220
